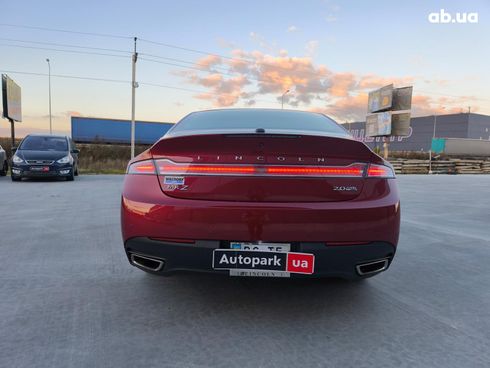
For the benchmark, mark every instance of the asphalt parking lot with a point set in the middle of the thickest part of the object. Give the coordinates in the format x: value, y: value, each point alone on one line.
x: 69, y: 298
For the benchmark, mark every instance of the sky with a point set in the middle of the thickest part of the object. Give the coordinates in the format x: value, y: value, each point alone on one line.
x: 196, y: 55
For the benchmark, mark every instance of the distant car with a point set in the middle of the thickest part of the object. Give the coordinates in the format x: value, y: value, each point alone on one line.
x: 4, y: 166
x: 259, y: 192
x: 45, y: 156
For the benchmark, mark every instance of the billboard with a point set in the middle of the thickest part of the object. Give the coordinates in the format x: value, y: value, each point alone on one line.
x: 380, y: 99
x: 12, y: 107
x: 378, y: 124
x: 400, y: 124
x: 389, y: 111
x: 402, y: 98
x: 388, y: 123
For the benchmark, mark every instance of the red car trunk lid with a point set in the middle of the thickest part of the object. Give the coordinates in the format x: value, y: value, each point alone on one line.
x: 261, y: 167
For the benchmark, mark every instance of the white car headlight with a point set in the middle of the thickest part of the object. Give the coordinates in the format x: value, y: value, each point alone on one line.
x: 65, y: 160
x: 17, y: 160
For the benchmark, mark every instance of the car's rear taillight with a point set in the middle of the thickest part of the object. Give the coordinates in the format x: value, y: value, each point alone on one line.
x: 380, y: 171
x: 167, y: 167
x: 142, y: 167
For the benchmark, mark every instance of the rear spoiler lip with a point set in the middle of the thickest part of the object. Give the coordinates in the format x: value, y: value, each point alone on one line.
x: 252, y: 132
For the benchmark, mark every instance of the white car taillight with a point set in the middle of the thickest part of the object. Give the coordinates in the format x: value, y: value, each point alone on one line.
x: 380, y: 171
x: 142, y: 167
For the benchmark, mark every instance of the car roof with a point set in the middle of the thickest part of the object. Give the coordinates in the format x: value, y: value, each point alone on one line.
x: 47, y: 135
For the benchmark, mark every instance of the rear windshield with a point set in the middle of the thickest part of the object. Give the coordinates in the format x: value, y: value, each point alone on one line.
x: 39, y: 143
x: 250, y: 119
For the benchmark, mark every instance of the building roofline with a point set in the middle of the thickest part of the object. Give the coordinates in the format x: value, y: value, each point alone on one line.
x: 125, y: 120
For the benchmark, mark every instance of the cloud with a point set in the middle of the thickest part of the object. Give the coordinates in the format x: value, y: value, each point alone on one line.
x: 371, y: 81
x: 311, y: 47
x: 331, y: 18
x: 207, y: 62
x: 222, y: 91
x: 71, y: 113
x: 341, y: 84
x: 347, y: 108
x: 292, y: 29
x: 262, y: 42
x: 248, y: 76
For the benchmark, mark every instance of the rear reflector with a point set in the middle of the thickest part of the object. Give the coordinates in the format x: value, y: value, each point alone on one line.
x: 380, y: 171
x: 167, y: 167
x: 142, y: 167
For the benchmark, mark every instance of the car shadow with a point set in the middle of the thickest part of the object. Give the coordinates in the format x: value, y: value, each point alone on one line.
x: 275, y: 298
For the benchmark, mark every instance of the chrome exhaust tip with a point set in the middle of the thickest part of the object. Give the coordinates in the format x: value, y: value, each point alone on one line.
x: 146, y: 263
x: 370, y: 268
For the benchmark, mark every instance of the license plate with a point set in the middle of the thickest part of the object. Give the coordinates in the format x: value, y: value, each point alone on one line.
x: 262, y: 263
x: 264, y: 247
x: 40, y: 168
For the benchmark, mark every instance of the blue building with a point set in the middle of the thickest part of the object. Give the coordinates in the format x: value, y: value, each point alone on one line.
x: 97, y: 130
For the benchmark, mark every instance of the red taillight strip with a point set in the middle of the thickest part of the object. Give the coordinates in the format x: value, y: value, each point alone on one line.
x: 142, y: 167
x: 189, y: 169
x: 380, y: 171
x: 167, y: 167
x: 323, y: 171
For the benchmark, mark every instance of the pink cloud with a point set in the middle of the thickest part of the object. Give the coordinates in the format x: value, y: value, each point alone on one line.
x: 248, y: 75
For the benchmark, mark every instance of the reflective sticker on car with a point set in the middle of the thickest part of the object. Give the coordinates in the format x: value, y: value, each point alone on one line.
x: 174, y: 180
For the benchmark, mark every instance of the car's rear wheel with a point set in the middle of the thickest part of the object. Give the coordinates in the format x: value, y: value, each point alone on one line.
x: 76, y: 171
x: 4, y: 169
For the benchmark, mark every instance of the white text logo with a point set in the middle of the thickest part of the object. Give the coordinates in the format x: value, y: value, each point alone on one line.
x: 444, y: 17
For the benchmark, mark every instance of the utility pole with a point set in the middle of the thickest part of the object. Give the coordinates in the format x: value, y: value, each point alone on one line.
x: 385, y: 148
x: 49, y: 92
x: 433, y: 136
x: 430, y: 149
x: 134, y: 85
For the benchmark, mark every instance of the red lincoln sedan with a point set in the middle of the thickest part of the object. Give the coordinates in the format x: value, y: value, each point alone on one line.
x: 260, y: 192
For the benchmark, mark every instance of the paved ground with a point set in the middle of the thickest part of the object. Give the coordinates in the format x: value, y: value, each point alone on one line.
x: 68, y: 297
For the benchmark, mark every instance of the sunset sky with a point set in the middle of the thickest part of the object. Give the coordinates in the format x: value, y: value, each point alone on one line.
x: 239, y: 54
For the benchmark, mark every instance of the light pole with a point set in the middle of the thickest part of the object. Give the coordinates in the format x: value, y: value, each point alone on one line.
x: 282, y: 98
x: 49, y: 84
x: 134, y: 85
x: 433, y: 136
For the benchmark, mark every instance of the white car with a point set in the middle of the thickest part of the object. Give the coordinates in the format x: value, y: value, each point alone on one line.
x: 4, y: 166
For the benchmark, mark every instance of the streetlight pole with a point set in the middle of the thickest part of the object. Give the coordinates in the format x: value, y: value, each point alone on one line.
x: 282, y: 98
x: 49, y: 92
x: 133, y: 97
x: 433, y: 136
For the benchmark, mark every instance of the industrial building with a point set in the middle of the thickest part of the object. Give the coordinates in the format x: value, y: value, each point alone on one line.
x: 463, y: 125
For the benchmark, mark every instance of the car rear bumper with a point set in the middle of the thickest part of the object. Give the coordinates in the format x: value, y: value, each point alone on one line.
x: 330, y: 261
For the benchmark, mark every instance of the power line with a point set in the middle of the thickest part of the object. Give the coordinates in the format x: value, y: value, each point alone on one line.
x: 200, y: 91
x: 194, y: 67
x: 66, y: 31
x: 187, y: 49
x: 124, y: 81
x: 66, y: 76
x: 61, y: 50
x: 65, y: 45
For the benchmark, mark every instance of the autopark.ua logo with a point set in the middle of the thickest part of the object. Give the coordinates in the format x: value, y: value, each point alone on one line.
x: 445, y: 17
